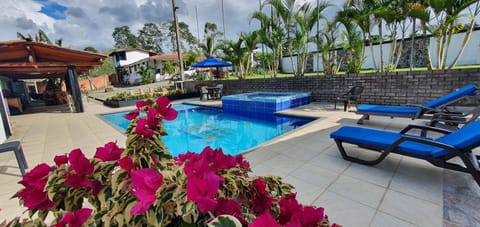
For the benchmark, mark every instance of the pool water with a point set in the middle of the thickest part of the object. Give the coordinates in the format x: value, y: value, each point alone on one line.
x: 197, y: 127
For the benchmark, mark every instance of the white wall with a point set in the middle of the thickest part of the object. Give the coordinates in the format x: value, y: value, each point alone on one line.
x: 133, y: 56
x: 470, y: 56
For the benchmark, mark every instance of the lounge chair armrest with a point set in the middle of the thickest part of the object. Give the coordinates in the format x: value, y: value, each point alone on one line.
x: 434, y: 143
x: 425, y: 128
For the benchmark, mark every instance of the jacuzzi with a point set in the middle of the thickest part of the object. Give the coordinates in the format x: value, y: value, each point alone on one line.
x: 263, y: 104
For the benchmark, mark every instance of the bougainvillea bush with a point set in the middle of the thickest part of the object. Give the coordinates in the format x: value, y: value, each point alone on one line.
x: 143, y: 185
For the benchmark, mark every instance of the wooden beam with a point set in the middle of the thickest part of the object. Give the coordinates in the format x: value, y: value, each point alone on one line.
x: 32, y: 58
x: 45, y: 64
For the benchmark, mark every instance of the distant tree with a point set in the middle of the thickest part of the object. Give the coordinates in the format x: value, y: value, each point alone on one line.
x: 107, y: 68
x: 151, y: 37
x: 91, y: 49
x: 187, y: 39
x: 210, y: 43
x: 191, y: 58
x: 124, y: 38
x: 147, y: 75
x: 211, y: 29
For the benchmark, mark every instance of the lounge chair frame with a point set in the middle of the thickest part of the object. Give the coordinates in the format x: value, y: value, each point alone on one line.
x: 423, y: 112
x: 470, y: 160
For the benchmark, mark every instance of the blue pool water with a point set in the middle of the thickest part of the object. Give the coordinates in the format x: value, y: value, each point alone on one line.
x: 198, y: 127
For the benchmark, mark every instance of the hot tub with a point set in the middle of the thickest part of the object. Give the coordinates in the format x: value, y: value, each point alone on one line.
x: 263, y: 104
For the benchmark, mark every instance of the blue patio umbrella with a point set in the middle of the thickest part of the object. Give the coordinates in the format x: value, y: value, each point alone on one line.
x: 211, y: 62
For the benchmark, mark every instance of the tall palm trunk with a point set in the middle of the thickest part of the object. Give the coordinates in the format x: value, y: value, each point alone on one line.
x: 412, y: 44
x: 380, y: 28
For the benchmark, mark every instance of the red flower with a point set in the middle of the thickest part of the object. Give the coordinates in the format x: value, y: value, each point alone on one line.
x: 33, y: 195
x: 79, y: 168
x: 262, y: 200
x: 110, y: 152
x: 60, y: 160
x: 140, y: 104
x: 165, y: 108
x: 75, y: 219
x: 145, y: 183
x: 288, y: 206
x: 308, y: 216
x: 225, y: 206
x: 146, y: 126
x: 132, y: 115
x: 126, y: 163
x: 265, y: 219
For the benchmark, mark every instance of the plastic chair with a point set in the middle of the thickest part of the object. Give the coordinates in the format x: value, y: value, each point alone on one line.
x: 350, y: 97
x: 16, y: 147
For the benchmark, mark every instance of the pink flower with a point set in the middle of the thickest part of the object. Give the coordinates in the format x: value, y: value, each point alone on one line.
x: 288, y: 206
x: 262, y: 200
x: 165, y: 108
x: 203, y: 189
x: 265, y: 219
x: 145, y: 183
x: 33, y: 195
x: 140, y: 104
x: 308, y: 216
x: 132, y: 115
x: 80, y: 168
x: 75, y: 219
x: 126, y: 163
x: 110, y: 152
x: 146, y: 126
x: 60, y: 160
x: 230, y: 207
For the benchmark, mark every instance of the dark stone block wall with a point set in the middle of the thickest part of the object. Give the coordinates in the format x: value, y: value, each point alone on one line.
x: 397, y: 88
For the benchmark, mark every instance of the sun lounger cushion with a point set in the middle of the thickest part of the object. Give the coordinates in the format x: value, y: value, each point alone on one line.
x: 381, y: 139
x: 400, y: 110
x: 464, y: 138
x: 468, y: 90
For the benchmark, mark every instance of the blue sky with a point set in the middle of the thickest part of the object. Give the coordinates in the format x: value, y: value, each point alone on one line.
x: 82, y: 23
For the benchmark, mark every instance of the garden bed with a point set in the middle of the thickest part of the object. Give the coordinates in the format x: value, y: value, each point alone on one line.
x: 131, y: 100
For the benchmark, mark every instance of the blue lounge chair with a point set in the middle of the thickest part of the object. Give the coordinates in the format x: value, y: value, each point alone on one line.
x: 437, y: 151
x: 415, y: 112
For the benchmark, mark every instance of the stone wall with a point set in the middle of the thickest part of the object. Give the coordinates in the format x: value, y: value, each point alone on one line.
x: 398, y: 88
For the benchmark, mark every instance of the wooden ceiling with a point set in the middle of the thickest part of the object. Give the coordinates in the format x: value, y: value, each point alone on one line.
x: 23, y: 59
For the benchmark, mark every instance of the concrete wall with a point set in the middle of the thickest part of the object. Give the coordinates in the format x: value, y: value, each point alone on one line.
x: 470, y: 55
x: 387, y: 89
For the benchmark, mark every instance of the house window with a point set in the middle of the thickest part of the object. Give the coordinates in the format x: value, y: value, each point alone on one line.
x: 121, y: 56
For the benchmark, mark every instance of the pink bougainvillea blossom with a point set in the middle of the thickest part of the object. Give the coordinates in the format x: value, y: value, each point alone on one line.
x: 263, y: 220
x: 132, y: 115
x: 230, y: 207
x: 140, y: 104
x: 126, y: 163
x: 75, y: 219
x: 262, y: 200
x: 109, y: 152
x: 147, y: 126
x: 202, y: 189
x: 79, y: 170
x: 33, y: 195
x: 165, y: 108
x: 288, y: 206
x: 145, y: 183
x: 60, y: 160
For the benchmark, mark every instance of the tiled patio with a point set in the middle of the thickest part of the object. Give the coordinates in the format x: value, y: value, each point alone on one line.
x: 399, y: 192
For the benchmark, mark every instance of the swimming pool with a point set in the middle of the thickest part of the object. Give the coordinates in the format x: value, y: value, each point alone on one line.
x: 197, y: 127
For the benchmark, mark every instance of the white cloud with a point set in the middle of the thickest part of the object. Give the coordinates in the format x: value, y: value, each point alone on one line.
x: 91, y: 22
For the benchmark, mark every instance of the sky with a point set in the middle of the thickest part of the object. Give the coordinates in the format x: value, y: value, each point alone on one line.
x: 82, y: 23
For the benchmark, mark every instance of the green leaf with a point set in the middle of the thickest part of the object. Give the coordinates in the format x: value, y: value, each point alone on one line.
x: 224, y: 221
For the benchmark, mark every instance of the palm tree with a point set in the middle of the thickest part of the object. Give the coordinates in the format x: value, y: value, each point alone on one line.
x: 306, y: 18
x: 447, y: 15
x: 352, y: 43
x: 208, y: 48
x: 325, y: 41
x: 272, y: 35
x: 250, y: 41
x: 235, y: 53
x: 41, y: 36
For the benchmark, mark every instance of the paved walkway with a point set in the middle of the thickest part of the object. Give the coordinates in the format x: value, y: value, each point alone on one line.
x: 398, y: 192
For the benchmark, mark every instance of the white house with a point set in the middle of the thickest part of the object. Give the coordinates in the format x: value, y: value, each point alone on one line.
x: 128, y: 62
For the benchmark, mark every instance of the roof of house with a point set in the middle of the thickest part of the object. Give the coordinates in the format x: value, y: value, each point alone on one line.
x: 151, y: 53
x: 166, y: 56
x: 22, y: 59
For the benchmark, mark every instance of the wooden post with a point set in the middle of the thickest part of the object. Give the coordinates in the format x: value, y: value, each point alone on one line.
x: 75, y: 88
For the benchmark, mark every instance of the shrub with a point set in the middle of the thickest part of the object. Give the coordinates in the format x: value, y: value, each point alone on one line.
x: 143, y: 185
